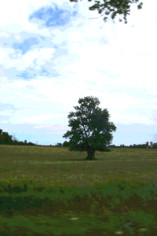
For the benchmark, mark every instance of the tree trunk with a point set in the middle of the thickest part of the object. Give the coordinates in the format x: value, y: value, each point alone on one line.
x: 90, y: 154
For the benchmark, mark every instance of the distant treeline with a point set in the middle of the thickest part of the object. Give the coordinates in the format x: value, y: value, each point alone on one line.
x: 154, y: 145
x: 5, y: 138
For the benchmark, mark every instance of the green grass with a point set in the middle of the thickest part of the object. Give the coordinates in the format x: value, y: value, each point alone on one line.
x: 52, y: 191
x: 59, y: 166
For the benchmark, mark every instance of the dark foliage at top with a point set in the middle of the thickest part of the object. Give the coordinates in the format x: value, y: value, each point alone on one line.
x: 113, y: 8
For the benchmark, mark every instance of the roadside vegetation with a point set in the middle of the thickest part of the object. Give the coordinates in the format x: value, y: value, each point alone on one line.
x: 52, y: 191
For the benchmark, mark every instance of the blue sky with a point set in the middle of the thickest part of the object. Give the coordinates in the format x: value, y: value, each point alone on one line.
x: 53, y: 52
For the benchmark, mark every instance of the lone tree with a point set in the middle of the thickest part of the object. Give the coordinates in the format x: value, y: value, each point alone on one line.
x: 90, y: 127
x: 113, y: 8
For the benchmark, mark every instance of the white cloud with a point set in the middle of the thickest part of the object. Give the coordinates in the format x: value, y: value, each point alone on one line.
x: 16, y: 13
x: 35, y: 120
x: 11, y: 58
x: 36, y: 96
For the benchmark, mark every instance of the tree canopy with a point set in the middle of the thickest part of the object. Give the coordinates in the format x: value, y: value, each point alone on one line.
x: 91, y: 129
x: 113, y: 8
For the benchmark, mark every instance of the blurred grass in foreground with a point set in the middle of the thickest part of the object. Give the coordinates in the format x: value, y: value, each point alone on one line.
x: 51, y: 191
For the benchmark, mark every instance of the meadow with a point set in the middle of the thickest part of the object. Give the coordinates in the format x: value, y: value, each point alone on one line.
x: 52, y: 191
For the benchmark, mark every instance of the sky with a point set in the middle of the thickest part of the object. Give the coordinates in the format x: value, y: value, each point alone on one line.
x: 53, y: 52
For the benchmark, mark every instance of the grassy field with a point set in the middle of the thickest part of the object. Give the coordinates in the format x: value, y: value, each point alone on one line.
x: 52, y: 191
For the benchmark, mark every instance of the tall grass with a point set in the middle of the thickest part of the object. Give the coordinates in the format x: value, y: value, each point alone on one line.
x: 51, y: 191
